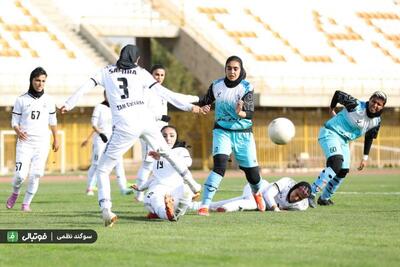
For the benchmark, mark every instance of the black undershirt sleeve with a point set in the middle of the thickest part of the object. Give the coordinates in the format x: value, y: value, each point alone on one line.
x: 344, y: 99
x: 208, y: 98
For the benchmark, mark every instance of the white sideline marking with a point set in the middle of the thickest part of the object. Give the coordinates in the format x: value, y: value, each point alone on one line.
x: 368, y: 193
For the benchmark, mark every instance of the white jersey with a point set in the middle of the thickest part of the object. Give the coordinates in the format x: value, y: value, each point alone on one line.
x: 159, y: 107
x: 101, y: 118
x: 284, y: 185
x: 33, y: 116
x: 165, y: 174
x: 125, y: 89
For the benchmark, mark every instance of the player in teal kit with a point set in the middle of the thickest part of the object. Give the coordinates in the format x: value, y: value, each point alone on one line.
x: 356, y: 119
x: 234, y: 108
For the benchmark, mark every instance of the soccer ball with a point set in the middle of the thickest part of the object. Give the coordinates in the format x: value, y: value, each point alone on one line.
x: 281, y: 131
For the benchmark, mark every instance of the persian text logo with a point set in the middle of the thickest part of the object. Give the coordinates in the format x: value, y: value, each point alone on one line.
x: 12, y: 236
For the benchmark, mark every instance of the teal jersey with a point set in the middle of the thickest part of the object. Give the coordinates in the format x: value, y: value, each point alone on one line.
x: 225, y: 99
x: 352, y: 124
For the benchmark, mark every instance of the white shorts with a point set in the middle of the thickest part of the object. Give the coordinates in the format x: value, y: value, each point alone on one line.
x: 97, y: 150
x: 31, y: 158
x: 122, y: 140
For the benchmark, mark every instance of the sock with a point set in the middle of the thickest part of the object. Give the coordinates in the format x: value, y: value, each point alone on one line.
x: 121, y: 178
x: 91, y: 176
x: 255, y: 187
x: 32, y: 188
x: 210, y: 188
x: 324, y: 177
x: 331, y: 188
x: 17, y: 183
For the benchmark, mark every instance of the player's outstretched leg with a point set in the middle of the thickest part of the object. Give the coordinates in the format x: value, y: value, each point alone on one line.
x: 324, y: 177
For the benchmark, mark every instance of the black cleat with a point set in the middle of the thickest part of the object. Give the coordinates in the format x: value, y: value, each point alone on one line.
x: 311, y: 201
x: 325, y: 202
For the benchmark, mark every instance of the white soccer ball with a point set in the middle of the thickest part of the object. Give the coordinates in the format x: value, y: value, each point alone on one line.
x: 281, y: 131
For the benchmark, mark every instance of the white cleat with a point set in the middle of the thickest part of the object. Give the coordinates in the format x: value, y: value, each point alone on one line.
x: 109, y: 217
x: 127, y: 191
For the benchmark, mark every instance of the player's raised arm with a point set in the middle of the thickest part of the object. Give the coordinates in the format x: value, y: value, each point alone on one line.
x: 73, y: 99
x: 182, y: 103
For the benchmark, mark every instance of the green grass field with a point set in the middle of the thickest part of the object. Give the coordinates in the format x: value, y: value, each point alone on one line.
x: 362, y: 229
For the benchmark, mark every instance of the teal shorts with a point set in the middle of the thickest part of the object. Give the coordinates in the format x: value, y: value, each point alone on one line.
x: 333, y: 144
x: 242, y: 144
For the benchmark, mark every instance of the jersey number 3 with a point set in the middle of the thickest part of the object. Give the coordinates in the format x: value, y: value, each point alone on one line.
x: 124, y: 87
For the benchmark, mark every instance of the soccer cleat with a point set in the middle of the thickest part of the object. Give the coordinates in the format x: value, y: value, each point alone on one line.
x: 311, y: 201
x: 221, y: 209
x: 109, y: 217
x: 152, y: 216
x: 203, y: 211
x: 126, y: 191
x: 260, y: 201
x: 26, y: 208
x: 11, y: 200
x: 169, y: 208
x: 325, y: 202
x: 89, y: 192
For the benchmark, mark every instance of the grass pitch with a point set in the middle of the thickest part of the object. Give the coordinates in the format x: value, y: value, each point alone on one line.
x: 362, y: 229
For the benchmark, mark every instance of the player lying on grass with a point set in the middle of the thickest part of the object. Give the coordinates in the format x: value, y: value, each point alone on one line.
x: 167, y: 196
x: 284, y: 194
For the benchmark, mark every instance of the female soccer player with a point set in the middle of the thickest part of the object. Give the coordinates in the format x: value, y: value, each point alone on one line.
x: 126, y: 84
x: 284, y: 194
x: 167, y: 197
x: 159, y: 108
x: 356, y: 119
x: 102, y: 129
x: 33, y: 112
x: 234, y: 108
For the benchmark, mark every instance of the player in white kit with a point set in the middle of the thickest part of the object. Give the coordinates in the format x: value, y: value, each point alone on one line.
x: 102, y: 127
x: 167, y: 196
x: 125, y: 84
x: 32, y: 114
x: 284, y: 194
x: 159, y: 108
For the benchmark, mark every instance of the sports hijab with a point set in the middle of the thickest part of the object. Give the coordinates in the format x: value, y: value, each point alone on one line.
x: 36, y: 73
x: 242, y: 74
x: 128, y: 57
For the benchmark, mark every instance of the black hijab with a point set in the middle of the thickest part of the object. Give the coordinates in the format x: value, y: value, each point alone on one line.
x: 36, y: 73
x: 128, y: 57
x: 242, y: 74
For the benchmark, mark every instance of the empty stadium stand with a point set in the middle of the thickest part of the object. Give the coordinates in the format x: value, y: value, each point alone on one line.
x: 295, y: 48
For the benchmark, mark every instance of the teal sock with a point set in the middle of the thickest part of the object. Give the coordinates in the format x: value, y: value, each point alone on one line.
x: 324, y: 177
x: 210, y: 188
x: 331, y: 188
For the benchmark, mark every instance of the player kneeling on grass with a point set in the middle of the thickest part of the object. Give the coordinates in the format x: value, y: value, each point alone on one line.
x: 167, y: 196
x: 284, y: 194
